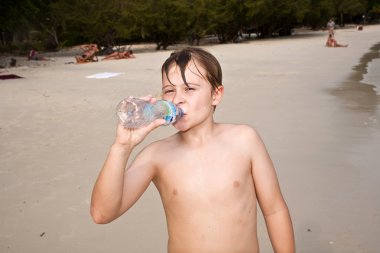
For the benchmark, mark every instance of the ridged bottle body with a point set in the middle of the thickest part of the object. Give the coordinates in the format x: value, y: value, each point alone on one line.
x: 135, y: 112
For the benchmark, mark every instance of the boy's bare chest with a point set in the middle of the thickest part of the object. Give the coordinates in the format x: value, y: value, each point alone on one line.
x: 204, y: 175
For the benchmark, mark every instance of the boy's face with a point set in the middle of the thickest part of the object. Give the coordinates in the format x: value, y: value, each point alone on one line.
x: 197, y: 100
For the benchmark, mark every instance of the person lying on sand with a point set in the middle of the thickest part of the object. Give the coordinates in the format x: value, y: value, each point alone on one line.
x: 33, y: 55
x: 119, y: 55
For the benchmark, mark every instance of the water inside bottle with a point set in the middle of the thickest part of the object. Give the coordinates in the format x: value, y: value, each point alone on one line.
x: 134, y: 113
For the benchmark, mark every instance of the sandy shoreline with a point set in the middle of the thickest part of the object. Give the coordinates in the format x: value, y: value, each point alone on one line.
x: 320, y: 124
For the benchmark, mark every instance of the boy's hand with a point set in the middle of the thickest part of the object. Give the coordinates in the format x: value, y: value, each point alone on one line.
x: 132, y: 137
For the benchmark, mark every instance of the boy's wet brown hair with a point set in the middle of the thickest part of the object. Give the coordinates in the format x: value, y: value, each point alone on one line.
x: 206, y: 60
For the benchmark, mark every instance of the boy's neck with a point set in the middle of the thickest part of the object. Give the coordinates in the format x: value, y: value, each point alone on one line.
x: 198, y: 135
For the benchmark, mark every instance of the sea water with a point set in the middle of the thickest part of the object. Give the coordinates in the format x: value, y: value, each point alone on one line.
x: 373, y: 74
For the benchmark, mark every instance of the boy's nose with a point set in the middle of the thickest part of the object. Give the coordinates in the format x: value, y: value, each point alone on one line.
x: 178, y: 98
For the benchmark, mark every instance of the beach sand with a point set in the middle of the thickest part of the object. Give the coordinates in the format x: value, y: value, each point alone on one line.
x: 321, y: 126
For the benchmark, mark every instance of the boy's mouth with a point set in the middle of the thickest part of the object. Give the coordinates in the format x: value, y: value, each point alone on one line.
x: 181, y: 113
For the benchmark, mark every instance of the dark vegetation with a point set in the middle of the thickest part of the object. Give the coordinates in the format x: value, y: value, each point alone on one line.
x: 48, y: 25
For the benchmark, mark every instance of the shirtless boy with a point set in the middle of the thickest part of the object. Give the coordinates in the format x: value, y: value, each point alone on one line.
x: 220, y: 172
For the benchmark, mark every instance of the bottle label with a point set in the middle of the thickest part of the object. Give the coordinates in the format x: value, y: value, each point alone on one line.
x: 171, y: 112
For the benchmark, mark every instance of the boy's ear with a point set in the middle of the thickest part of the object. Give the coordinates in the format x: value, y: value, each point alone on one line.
x: 217, y: 95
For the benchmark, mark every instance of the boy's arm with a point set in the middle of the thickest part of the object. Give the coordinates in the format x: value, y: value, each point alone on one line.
x: 272, y: 203
x: 117, y: 189
x: 107, y: 193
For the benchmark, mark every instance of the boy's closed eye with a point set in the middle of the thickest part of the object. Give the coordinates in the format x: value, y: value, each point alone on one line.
x: 189, y: 89
x: 168, y: 91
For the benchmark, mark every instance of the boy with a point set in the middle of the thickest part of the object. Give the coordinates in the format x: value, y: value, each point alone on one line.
x: 219, y: 173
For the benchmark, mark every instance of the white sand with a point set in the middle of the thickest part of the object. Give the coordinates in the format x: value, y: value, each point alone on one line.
x: 322, y: 131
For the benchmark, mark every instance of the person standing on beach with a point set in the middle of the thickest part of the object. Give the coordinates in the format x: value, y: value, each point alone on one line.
x: 331, y: 26
x: 210, y: 176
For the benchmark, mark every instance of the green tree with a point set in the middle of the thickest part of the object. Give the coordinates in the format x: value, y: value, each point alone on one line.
x: 200, y: 20
x: 319, y: 12
x: 229, y: 18
x: 346, y: 9
x: 14, y: 19
x: 165, y: 22
x: 49, y: 19
x: 276, y: 16
x: 373, y: 10
x: 95, y: 21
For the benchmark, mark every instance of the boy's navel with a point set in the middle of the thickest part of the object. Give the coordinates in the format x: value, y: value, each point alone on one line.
x: 236, y: 184
x: 175, y: 192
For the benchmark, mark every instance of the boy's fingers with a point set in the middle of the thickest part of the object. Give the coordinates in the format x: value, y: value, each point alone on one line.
x: 156, y: 123
x: 153, y: 100
x: 147, y: 98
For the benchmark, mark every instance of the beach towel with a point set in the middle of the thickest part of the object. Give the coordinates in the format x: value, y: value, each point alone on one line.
x: 104, y: 75
x: 9, y: 76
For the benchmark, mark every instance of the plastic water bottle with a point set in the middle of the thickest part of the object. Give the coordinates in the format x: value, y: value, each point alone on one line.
x: 136, y: 112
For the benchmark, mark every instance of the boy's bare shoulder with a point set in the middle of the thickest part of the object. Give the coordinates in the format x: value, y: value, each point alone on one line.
x: 239, y: 132
x: 161, y: 145
x: 225, y: 134
x: 243, y: 138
